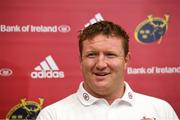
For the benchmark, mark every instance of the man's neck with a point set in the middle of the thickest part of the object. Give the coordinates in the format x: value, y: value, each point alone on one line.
x: 113, y: 95
x: 117, y: 94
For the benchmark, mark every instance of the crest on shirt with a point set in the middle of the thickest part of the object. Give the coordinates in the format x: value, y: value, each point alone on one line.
x: 86, y: 96
x: 146, y: 118
x: 151, y: 29
x: 25, y: 110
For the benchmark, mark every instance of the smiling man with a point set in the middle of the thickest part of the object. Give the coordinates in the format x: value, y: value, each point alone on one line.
x: 104, y: 94
x: 103, y: 63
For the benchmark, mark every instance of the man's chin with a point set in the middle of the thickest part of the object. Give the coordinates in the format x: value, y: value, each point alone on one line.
x: 101, y: 78
x: 101, y: 85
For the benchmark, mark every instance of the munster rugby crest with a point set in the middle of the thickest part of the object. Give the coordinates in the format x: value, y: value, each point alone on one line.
x: 25, y: 110
x: 152, y: 29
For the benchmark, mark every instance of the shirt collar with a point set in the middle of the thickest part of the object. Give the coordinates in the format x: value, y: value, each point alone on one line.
x: 88, y: 99
x: 84, y: 96
x: 129, y: 95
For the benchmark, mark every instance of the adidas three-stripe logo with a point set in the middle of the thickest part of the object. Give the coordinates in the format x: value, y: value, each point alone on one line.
x: 98, y: 17
x: 47, y: 69
x: 47, y: 64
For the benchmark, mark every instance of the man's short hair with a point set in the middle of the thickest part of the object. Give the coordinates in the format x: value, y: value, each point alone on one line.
x: 106, y: 28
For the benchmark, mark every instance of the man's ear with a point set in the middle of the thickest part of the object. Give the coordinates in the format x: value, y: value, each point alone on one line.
x: 127, y: 59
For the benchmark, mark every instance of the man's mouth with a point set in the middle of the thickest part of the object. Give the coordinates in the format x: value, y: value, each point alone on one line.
x: 101, y: 73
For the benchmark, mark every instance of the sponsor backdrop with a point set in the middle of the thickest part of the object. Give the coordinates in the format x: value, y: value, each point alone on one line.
x: 39, y: 58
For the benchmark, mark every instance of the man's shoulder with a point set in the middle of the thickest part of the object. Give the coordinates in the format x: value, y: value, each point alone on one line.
x: 55, y: 110
x: 66, y: 102
x: 159, y: 106
x: 150, y: 100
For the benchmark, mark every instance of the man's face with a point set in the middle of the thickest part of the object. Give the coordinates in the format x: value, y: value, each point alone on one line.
x: 103, y: 64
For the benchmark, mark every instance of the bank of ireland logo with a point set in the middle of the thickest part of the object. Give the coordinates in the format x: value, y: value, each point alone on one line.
x: 5, y: 72
x: 25, y: 110
x: 47, y: 69
x: 152, y: 29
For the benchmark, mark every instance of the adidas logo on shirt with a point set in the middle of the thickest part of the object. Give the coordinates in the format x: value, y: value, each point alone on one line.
x: 47, y: 69
x: 98, y: 17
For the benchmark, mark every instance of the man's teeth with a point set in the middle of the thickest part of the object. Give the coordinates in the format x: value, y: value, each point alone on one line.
x: 101, y: 74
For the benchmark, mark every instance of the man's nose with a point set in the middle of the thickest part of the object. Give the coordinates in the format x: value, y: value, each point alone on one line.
x: 101, y: 62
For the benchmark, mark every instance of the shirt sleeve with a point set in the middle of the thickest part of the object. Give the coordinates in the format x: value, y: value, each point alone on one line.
x: 45, y: 114
x: 169, y: 114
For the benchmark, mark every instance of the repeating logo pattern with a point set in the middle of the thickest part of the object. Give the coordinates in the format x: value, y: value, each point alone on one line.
x: 151, y: 30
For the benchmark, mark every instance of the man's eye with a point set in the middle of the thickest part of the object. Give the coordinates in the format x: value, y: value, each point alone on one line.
x: 91, y: 55
x: 110, y: 55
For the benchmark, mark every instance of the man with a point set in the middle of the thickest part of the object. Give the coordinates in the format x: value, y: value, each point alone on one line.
x: 104, y: 95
